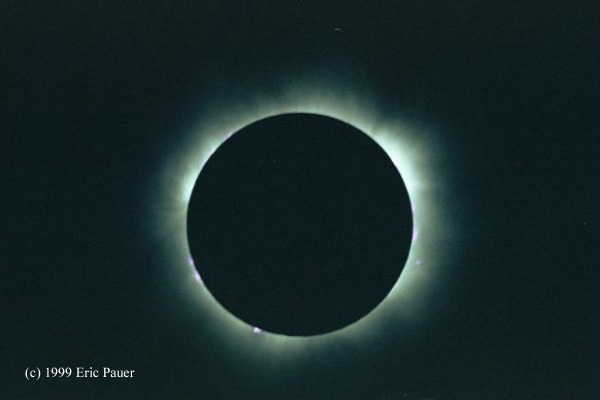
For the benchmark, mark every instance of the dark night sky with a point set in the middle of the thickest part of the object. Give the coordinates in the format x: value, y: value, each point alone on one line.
x: 93, y: 98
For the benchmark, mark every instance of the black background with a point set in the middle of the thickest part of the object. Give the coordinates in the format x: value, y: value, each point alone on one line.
x: 93, y: 94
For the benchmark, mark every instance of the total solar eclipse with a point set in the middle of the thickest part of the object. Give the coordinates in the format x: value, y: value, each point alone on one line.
x: 299, y: 224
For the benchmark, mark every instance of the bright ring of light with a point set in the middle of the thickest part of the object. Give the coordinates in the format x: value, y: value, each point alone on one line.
x: 409, y: 146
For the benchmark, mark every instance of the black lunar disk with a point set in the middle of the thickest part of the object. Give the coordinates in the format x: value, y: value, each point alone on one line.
x: 299, y: 224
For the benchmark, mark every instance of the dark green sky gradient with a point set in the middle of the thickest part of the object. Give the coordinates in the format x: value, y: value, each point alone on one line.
x: 95, y: 96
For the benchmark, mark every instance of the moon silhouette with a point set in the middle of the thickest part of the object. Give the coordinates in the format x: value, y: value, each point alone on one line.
x: 299, y: 224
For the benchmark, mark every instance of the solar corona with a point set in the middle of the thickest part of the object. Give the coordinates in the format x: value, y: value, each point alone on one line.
x: 406, y: 147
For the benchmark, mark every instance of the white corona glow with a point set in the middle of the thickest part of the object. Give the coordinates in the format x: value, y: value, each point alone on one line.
x: 410, y: 146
